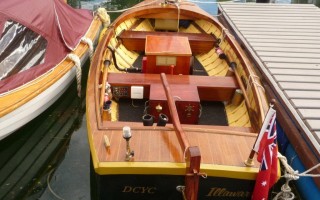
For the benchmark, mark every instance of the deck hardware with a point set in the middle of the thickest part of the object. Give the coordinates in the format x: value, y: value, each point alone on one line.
x: 249, y: 162
x: 220, y: 53
x: 147, y: 120
x: 127, y: 135
x: 106, y: 141
x: 159, y: 108
x: 189, y: 110
x: 163, y: 119
x: 196, y: 173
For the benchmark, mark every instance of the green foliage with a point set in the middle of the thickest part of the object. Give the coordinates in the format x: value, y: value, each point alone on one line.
x: 74, y: 3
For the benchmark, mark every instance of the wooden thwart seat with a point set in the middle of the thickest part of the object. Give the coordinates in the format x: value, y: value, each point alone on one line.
x: 209, y: 88
x: 135, y: 40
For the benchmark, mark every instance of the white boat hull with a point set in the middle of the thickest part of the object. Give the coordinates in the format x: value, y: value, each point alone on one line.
x: 24, y: 114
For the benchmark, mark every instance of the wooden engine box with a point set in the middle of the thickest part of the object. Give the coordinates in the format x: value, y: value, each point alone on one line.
x: 163, y: 52
x: 186, y: 99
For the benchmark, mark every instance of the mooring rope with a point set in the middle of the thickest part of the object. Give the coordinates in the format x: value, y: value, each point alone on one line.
x: 181, y: 188
x: 252, y: 81
x: 49, y: 187
x: 77, y: 63
x: 289, y: 175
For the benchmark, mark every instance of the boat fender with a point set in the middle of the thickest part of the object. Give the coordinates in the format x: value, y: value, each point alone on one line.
x: 107, y: 105
x: 233, y: 65
x: 89, y: 42
x: 77, y: 63
x: 107, y: 98
x: 220, y: 53
x: 104, y: 17
x: 106, y: 62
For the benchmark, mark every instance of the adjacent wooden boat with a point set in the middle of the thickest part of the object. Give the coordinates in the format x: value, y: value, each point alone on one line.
x: 42, y: 43
x: 173, y: 107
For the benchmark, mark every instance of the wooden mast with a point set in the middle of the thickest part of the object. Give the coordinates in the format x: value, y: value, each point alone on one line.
x: 192, y: 154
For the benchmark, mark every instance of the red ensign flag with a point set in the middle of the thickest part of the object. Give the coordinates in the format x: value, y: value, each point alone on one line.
x: 266, y: 146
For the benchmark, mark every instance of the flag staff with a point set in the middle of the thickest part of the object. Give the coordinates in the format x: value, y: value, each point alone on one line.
x: 249, y: 162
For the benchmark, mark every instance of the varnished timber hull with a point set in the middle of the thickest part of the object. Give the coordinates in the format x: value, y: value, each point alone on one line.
x: 164, y: 155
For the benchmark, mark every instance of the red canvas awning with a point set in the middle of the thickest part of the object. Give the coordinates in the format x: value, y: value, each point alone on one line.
x: 61, y: 25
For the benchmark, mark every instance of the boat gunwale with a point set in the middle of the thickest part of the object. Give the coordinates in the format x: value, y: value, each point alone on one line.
x: 175, y: 168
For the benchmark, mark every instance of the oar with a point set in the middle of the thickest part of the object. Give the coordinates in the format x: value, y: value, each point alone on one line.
x: 104, y: 77
x: 233, y: 66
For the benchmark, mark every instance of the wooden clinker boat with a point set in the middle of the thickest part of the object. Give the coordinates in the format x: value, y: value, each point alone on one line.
x: 44, y: 44
x: 173, y: 107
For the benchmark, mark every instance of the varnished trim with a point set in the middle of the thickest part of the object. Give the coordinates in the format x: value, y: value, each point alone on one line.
x: 166, y: 168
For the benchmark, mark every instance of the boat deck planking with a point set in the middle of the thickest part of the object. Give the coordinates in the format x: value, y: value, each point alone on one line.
x: 163, y: 146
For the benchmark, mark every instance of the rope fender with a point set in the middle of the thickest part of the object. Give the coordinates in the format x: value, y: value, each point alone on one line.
x: 89, y: 42
x: 104, y: 17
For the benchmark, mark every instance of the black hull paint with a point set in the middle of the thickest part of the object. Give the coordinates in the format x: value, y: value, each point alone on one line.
x: 163, y: 187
